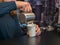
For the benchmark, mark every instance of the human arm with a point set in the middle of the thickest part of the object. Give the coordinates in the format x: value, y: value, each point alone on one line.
x: 6, y: 7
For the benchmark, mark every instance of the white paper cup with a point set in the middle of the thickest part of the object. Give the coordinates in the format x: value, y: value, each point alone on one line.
x: 31, y: 30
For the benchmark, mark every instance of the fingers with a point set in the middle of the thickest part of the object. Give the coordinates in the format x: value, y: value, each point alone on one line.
x: 29, y: 8
x: 26, y: 7
x: 23, y: 6
x: 38, y: 31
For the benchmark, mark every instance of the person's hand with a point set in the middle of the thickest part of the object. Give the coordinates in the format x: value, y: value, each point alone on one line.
x: 38, y: 30
x: 23, y: 6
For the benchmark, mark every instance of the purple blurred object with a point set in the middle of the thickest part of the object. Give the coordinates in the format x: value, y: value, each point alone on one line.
x: 46, y: 12
x: 37, y: 9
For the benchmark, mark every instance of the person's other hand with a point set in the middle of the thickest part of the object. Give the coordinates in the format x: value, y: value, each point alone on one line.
x: 23, y: 6
x: 38, y: 30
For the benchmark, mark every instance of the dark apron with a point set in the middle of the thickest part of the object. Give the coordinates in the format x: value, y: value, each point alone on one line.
x: 9, y: 27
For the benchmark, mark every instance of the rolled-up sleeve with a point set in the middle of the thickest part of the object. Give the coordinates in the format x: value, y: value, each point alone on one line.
x: 6, y: 7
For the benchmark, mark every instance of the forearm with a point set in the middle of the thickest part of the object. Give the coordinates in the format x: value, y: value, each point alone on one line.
x: 6, y: 7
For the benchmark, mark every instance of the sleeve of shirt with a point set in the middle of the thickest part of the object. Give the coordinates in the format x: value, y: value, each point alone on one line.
x: 6, y: 7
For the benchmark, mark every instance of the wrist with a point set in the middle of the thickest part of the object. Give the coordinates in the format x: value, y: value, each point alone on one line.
x: 18, y: 4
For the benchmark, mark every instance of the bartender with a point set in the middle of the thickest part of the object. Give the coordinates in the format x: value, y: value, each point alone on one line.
x: 9, y: 26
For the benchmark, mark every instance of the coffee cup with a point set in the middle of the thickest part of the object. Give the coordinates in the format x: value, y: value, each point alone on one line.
x: 31, y: 30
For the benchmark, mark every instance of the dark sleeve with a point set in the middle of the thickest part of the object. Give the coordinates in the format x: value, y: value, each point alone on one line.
x: 6, y: 7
